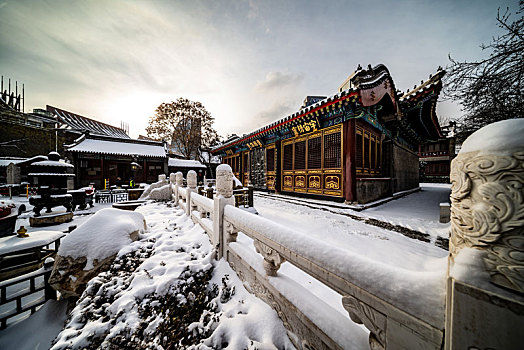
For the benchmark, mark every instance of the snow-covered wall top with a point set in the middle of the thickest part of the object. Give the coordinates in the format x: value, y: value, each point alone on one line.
x: 499, y: 136
x: 185, y: 163
x: 121, y: 148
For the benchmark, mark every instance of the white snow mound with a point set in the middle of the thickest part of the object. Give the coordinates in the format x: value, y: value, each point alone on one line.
x: 499, y: 136
x: 102, y: 235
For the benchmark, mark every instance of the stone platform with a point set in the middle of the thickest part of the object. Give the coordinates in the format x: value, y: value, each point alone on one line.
x: 52, y: 219
x: 128, y: 205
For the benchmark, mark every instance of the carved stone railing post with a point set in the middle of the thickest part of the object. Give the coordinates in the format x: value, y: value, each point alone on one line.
x: 272, y: 259
x: 172, y: 182
x: 485, y: 298
x: 162, y: 178
x: 224, y: 188
x: 179, y: 179
x: 191, y: 187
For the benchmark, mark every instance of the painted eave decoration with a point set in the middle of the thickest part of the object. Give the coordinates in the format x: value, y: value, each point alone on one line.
x: 373, y: 94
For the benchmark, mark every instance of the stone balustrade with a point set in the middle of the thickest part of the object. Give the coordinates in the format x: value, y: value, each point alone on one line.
x: 479, y: 304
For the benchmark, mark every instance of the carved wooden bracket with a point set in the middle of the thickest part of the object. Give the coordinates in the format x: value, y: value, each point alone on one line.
x: 272, y: 259
x: 375, y: 321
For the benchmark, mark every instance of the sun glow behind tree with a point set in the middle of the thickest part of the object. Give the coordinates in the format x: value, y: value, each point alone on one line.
x: 186, y: 125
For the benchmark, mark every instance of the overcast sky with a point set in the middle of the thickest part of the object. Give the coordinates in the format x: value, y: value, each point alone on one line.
x: 248, y: 62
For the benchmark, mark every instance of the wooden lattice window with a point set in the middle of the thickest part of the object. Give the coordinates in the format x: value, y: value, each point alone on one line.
x: 288, y: 157
x: 314, y: 153
x: 379, y: 154
x: 373, y: 152
x: 270, y: 158
x: 300, y: 155
x: 359, y: 151
x: 366, y: 150
x: 332, y: 152
x: 245, y: 164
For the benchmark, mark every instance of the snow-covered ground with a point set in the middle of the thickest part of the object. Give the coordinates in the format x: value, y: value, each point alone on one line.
x: 173, y: 243
x: 419, y: 211
x: 160, y: 265
x: 357, y: 236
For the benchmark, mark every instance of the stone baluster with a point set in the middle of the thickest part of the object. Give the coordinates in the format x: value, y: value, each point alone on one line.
x: 191, y: 187
x: 179, y: 180
x: 485, y: 294
x: 172, y: 182
x: 162, y: 178
x: 272, y: 259
x: 224, y: 189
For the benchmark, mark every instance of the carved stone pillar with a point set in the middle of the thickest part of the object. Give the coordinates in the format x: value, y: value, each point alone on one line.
x: 179, y: 177
x: 487, y: 212
x: 162, y: 178
x: 172, y: 178
x: 224, y: 186
x: 485, y: 298
x: 192, y: 179
x: 224, y: 181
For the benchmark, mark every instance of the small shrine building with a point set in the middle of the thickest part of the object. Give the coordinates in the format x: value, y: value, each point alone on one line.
x: 358, y: 145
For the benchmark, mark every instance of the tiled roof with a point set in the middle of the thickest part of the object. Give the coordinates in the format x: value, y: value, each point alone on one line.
x: 185, y: 163
x: 82, y: 124
x: 142, y: 149
x: 433, y: 81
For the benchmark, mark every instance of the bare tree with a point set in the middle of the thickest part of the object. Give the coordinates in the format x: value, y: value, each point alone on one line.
x: 185, y: 124
x: 491, y: 89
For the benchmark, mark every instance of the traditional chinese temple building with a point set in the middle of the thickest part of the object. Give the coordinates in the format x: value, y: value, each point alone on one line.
x: 97, y: 158
x: 358, y: 145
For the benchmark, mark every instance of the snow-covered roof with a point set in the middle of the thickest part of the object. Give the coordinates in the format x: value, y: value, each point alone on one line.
x: 120, y: 148
x: 50, y: 174
x: 80, y: 123
x: 53, y: 163
x: 185, y: 163
x: 7, y: 161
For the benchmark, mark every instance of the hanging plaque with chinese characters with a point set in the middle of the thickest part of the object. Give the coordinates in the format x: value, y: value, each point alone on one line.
x: 304, y: 127
x: 254, y: 144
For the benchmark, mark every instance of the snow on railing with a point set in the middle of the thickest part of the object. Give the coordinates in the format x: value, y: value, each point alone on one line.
x: 374, y: 293
x: 402, y: 309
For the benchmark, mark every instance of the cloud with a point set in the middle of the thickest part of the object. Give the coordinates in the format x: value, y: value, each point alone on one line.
x: 279, y: 80
x: 278, y: 110
x: 253, y: 10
